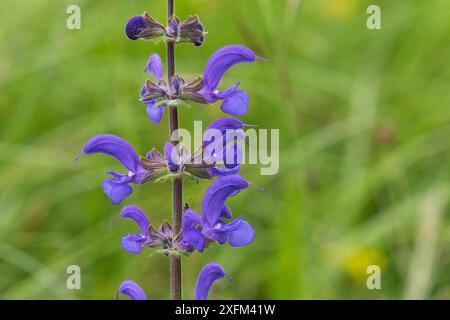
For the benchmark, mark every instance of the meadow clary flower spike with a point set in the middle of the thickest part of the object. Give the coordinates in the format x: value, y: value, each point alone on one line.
x: 219, y: 155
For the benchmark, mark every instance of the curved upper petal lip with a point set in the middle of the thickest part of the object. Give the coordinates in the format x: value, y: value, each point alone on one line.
x: 217, y: 194
x: 208, y: 275
x: 116, y: 147
x: 222, y: 60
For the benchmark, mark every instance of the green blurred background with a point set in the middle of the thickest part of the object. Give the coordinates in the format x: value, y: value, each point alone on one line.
x: 364, y: 145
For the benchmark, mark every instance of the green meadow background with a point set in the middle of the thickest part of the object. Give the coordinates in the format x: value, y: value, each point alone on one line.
x: 364, y: 123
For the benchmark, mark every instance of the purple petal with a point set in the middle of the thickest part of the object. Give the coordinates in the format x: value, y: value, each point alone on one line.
x: 117, y: 188
x: 209, y: 274
x: 220, y: 144
x: 242, y: 236
x: 173, y: 27
x: 197, y: 239
x: 154, y: 65
x: 223, y: 171
x: 225, y: 124
x: 217, y: 194
x: 137, y: 215
x: 134, y: 26
x: 155, y: 113
x: 171, y: 157
x: 191, y: 234
x: 226, y: 212
x: 221, y: 231
x: 236, y: 104
x: 222, y: 60
x: 115, y: 147
x: 219, y: 136
x: 131, y: 289
x: 142, y: 93
x: 225, y: 94
x: 232, y: 156
x: 132, y: 244
x: 175, y: 86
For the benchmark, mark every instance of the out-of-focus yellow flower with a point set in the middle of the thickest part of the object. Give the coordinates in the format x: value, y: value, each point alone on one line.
x: 339, y: 8
x: 357, y: 260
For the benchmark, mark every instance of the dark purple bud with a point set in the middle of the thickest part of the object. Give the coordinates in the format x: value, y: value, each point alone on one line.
x: 199, y: 37
x: 192, y: 30
x: 144, y: 27
x: 134, y: 27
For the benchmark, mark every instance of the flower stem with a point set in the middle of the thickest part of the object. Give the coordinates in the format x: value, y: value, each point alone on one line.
x: 177, y: 187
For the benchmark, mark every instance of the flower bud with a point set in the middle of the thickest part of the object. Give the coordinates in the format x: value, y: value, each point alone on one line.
x: 144, y: 27
x: 192, y: 30
x: 172, y: 29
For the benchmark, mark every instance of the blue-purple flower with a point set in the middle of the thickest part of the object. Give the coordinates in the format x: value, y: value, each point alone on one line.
x: 134, y: 243
x: 221, y: 144
x: 148, y: 236
x: 208, y: 275
x: 234, y: 101
x: 118, y: 187
x: 157, y: 95
x: 197, y: 232
x: 153, y: 93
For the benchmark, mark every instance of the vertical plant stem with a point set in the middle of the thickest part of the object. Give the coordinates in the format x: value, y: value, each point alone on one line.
x: 177, y: 187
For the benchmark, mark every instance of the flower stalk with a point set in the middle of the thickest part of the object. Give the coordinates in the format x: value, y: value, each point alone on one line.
x: 177, y: 185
